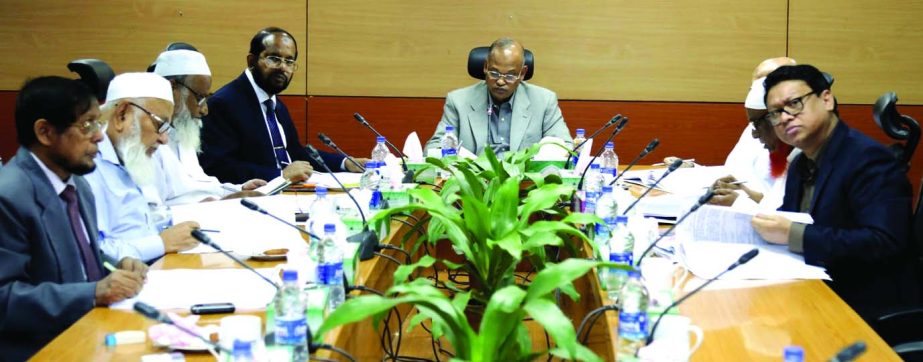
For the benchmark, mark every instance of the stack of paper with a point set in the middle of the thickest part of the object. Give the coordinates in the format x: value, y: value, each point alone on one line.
x: 182, y: 288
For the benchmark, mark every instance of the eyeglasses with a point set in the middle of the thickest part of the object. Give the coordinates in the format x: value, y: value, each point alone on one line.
x: 90, y: 127
x: 793, y: 108
x: 509, y: 78
x: 274, y: 61
x: 199, y: 98
x: 759, y: 123
x: 162, y: 126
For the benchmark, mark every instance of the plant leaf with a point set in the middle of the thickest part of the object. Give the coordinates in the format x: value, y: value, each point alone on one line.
x: 555, y: 275
x: 555, y: 323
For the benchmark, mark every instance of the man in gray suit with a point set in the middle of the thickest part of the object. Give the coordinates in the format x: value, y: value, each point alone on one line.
x: 503, y: 112
x: 51, y: 270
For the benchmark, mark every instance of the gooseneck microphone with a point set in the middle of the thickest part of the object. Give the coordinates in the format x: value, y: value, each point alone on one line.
x: 673, y: 166
x: 150, y: 312
x: 615, y: 132
x: 408, y: 174
x: 329, y: 142
x: 596, y: 132
x: 366, y: 238
x: 204, y: 239
x: 743, y: 260
x: 650, y: 147
x: 702, y: 201
x: 252, y: 206
x: 850, y: 352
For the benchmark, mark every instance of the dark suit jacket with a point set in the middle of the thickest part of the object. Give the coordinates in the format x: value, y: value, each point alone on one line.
x: 861, y: 231
x: 236, y: 146
x: 42, y: 285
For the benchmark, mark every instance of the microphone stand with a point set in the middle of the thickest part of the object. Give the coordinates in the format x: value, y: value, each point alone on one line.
x: 702, y: 201
x: 650, y: 147
x: 329, y: 142
x: 618, y: 129
x: 252, y: 206
x: 673, y: 166
x: 607, y: 125
x: 204, y: 239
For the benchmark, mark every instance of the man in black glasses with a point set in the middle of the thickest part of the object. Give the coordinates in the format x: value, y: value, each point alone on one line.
x: 853, y: 187
x: 248, y: 132
x: 503, y: 112
x: 138, y: 112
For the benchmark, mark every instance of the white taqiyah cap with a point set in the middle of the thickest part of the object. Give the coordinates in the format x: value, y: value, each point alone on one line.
x: 756, y: 97
x: 139, y: 85
x: 181, y: 62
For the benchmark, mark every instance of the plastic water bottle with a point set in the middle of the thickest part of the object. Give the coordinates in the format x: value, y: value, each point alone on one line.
x: 578, y: 139
x: 621, y: 251
x: 606, y: 205
x: 633, y: 320
x: 601, y: 239
x: 370, y: 179
x: 610, y: 163
x: 793, y: 354
x: 380, y: 151
x: 330, y: 267
x: 449, y: 140
x: 291, y: 321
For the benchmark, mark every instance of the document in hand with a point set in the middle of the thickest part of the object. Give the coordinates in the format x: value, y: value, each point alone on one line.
x: 274, y: 186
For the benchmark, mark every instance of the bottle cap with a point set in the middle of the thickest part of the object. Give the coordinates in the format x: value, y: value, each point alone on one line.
x: 380, y: 139
x: 450, y: 128
x: 320, y: 190
x: 289, y: 275
x: 610, y: 144
x: 594, y: 166
x: 581, y: 131
x: 795, y: 353
x: 634, y: 273
x: 330, y: 228
x: 621, y: 219
x: 607, y: 189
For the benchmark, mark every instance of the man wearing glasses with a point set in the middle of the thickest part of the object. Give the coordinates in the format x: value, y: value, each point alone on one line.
x: 179, y: 178
x: 503, y: 112
x: 248, y: 133
x: 137, y: 111
x: 853, y: 187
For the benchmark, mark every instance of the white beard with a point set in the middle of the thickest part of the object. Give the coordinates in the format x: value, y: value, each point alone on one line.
x: 134, y: 155
x: 188, y: 130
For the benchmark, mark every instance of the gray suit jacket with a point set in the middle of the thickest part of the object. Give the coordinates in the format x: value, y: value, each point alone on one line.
x: 535, y: 115
x: 43, y: 289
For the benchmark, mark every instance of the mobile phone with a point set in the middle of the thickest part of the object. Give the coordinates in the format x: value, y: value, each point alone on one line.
x: 212, y: 308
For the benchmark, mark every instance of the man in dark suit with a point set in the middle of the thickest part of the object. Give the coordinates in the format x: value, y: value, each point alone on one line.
x: 248, y: 133
x: 51, y: 270
x: 853, y: 187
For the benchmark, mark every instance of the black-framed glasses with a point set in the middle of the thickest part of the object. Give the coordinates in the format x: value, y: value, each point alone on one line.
x: 199, y: 98
x: 793, y: 108
x: 162, y: 126
x: 509, y: 78
x: 90, y: 127
x: 274, y: 61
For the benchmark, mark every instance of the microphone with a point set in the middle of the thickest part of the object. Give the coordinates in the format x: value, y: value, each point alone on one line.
x: 329, y: 142
x: 408, y: 174
x: 850, y: 352
x: 615, y: 132
x: 150, y: 312
x: 204, y: 239
x: 366, y: 238
x: 743, y: 260
x: 252, y: 206
x: 673, y: 166
x: 702, y: 201
x: 596, y: 132
x: 650, y: 147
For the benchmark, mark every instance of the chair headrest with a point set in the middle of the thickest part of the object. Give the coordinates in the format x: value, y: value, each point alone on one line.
x: 478, y: 56
x: 173, y: 46
x: 896, y: 125
x: 95, y: 73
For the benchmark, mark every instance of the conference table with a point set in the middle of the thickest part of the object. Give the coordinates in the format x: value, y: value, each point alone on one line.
x: 751, y: 321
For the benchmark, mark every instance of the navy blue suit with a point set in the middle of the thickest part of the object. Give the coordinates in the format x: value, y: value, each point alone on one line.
x: 236, y: 146
x: 862, y: 213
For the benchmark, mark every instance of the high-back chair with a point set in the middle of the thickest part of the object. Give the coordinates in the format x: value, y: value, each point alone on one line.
x: 478, y: 56
x: 95, y: 73
x: 897, y: 126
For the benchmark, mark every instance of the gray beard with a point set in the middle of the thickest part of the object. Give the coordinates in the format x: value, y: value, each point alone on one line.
x: 187, y: 132
x: 134, y: 156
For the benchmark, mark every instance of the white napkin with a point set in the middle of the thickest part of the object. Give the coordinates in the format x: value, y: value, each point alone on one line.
x: 413, y: 148
x: 585, y: 157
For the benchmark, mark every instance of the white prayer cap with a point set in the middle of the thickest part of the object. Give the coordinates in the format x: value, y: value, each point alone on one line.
x: 756, y: 97
x: 181, y: 62
x: 139, y: 85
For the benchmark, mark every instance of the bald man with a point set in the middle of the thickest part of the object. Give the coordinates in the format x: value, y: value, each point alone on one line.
x: 503, y: 112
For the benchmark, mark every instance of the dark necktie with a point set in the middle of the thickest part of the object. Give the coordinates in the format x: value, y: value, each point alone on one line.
x: 808, y: 171
x: 90, y: 263
x: 277, y: 146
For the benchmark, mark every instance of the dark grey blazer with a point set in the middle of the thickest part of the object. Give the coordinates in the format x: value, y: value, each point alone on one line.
x: 43, y: 289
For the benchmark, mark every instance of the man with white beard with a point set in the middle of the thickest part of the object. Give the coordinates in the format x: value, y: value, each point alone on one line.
x: 179, y: 178
x: 137, y: 111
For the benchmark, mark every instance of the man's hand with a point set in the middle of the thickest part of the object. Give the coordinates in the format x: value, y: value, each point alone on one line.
x: 243, y: 194
x: 252, y: 184
x: 670, y: 159
x: 133, y: 265
x: 117, y: 286
x: 773, y: 228
x: 179, y: 237
x: 730, y: 184
x: 724, y: 197
x: 297, y: 171
x: 352, y: 167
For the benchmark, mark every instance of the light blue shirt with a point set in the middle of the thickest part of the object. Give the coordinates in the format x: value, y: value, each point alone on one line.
x: 122, y: 212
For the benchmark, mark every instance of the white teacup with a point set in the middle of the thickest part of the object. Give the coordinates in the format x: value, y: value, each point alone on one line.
x: 658, y: 278
x: 671, y: 340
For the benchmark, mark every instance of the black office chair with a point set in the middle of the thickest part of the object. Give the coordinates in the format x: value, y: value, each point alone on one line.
x: 903, y: 331
x: 173, y: 46
x: 478, y: 56
x: 897, y: 126
x: 95, y: 73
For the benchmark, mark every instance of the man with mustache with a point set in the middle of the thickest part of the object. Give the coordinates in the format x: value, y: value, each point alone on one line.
x: 51, y: 270
x: 179, y: 178
x: 503, y: 112
x: 248, y: 133
x: 137, y: 111
x: 853, y: 187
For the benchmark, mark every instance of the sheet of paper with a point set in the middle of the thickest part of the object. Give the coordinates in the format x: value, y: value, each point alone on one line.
x: 182, y: 288
x: 707, y: 259
x: 692, y: 180
x: 730, y: 225
x: 349, y: 179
